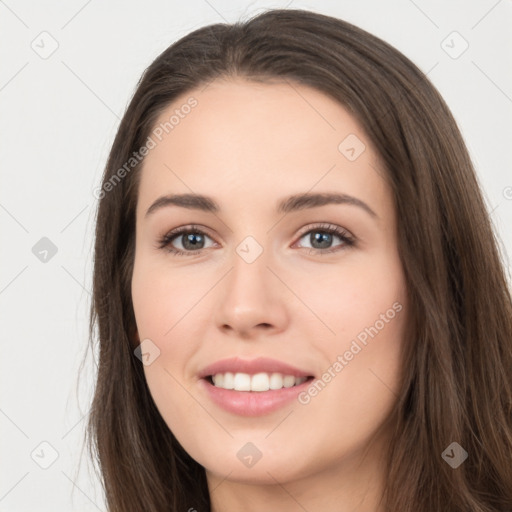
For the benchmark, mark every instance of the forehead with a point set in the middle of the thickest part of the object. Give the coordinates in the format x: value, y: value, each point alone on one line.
x: 251, y: 140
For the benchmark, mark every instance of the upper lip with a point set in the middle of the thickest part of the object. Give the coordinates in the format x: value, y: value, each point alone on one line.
x: 252, y: 366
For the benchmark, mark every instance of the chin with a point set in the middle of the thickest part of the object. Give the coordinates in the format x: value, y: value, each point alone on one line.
x: 258, y: 462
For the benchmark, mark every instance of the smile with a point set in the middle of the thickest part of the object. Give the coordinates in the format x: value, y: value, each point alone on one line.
x: 259, y: 382
x: 252, y: 387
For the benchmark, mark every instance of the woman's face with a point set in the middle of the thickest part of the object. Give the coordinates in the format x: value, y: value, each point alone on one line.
x: 261, y: 274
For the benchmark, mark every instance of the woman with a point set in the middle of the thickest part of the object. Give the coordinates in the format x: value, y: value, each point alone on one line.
x: 299, y: 298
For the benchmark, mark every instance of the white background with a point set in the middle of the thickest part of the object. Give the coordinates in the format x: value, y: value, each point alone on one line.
x: 58, y: 119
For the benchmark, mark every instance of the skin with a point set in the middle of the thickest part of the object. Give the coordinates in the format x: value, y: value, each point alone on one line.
x: 248, y: 145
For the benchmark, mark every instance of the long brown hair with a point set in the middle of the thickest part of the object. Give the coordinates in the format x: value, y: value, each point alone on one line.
x: 457, y: 366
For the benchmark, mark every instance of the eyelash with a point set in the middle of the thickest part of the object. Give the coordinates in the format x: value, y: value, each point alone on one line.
x: 348, y: 241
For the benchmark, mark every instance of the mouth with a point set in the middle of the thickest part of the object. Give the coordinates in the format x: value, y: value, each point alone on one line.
x: 253, y: 387
x: 258, y: 382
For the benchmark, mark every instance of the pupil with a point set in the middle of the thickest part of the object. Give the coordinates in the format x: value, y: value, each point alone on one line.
x: 193, y: 240
x: 323, y: 238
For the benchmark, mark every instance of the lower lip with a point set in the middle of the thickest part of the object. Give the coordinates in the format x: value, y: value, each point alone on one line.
x: 253, y: 403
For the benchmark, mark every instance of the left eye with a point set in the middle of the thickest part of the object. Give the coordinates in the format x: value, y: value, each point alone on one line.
x: 321, y: 239
x: 192, y: 240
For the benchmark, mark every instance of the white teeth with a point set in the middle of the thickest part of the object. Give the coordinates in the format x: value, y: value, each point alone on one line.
x: 229, y: 380
x: 260, y: 382
x: 276, y: 381
x: 218, y: 380
x: 256, y: 382
x: 288, y: 381
x: 242, y: 382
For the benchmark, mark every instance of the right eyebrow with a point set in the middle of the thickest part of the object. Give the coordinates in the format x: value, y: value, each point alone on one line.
x: 190, y: 201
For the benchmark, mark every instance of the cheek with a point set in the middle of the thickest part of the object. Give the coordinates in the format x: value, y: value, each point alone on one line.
x: 157, y: 308
x: 354, y: 297
x: 163, y: 304
x: 163, y: 299
x: 365, y: 307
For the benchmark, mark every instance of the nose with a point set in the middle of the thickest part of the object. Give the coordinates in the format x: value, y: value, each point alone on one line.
x: 251, y: 300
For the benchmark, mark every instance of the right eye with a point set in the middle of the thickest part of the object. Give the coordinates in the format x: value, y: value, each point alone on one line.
x: 191, y: 238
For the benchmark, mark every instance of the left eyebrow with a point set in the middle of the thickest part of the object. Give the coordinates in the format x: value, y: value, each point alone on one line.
x: 290, y: 204
x: 309, y: 200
